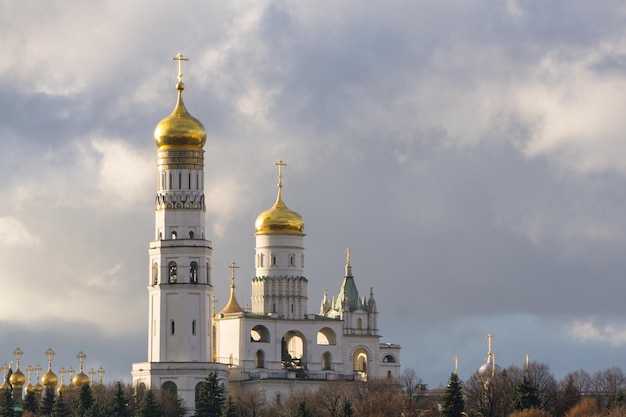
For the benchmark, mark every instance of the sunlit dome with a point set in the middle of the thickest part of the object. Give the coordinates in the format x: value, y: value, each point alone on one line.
x: 180, y: 130
x: 49, y: 379
x: 17, y: 379
x: 279, y: 219
x: 80, y: 379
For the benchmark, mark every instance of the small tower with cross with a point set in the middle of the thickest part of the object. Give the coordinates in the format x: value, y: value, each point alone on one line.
x: 279, y: 287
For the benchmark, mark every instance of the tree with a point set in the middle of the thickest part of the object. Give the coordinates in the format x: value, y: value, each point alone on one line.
x: 47, y: 402
x: 30, y: 403
x: 172, y: 405
x: 302, y: 411
x: 346, y: 409
x: 210, y: 397
x: 148, y: 406
x: 83, y: 402
x: 119, y: 404
x: 7, y: 405
x: 586, y: 407
x: 570, y: 396
x: 59, y: 409
x: 526, y: 395
x: 229, y: 409
x: 490, y: 396
x: 452, y: 400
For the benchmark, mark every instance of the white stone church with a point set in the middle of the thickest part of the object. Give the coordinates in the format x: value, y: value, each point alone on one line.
x: 276, y: 347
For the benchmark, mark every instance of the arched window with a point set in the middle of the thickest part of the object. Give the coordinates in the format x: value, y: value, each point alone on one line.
x: 326, y: 336
x: 193, y: 327
x: 174, y: 235
x: 191, y: 234
x: 172, y: 327
x: 259, y: 333
x: 389, y: 359
x: 260, y: 359
x: 292, y: 259
x: 208, y: 273
x: 155, y: 273
x: 326, y: 361
x: 359, y: 361
x: 173, y: 272
x: 193, y: 273
x: 198, y: 389
x: 170, y: 387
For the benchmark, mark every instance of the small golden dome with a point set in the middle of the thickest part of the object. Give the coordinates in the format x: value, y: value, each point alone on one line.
x: 232, y: 307
x: 180, y: 130
x: 5, y: 386
x: 38, y: 388
x: 80, y: 379
x: 49, y: 379
x: 17, y: 379
x: 29, y: 387
x: 279, y: 219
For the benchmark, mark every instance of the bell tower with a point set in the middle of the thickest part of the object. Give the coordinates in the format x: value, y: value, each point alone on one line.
x: 179, y: 284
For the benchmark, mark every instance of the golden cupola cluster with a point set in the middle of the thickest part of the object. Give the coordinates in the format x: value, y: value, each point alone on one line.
x: 180, y: 130
x: 279, y: 219
x: 16, y: 380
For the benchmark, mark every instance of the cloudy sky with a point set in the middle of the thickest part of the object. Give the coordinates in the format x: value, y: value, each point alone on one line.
x: 471, y: 153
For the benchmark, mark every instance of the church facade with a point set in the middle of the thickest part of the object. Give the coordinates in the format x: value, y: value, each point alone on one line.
x: 277, y: 346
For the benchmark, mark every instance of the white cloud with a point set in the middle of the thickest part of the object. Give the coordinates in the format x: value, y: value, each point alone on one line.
x: 14, y: 233
x: 591, y: 331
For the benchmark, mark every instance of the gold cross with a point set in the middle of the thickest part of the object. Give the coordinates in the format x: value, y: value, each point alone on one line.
x: 50, y: 354
x: 81, y: 357
x: 280, y: 164
x: 180, y: 60
x: 18, y: 354
x: 232, y: 267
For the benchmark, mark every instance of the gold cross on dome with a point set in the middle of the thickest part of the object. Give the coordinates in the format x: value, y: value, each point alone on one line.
x: 81, y: 358
x: 18, y: 354
x: 180, y: 60
x: 280, y: 164
x: 232, y: 267
x: 49, y: 354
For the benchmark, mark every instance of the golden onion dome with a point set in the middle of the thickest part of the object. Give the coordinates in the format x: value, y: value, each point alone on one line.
x: 180, y: 130
x: 29, y: 387
x: 279, y: 219
x: 17, y: 379
x: 38, y: 388
x: 80, y: 379
x: 49, y: 379
x: 5, y: 386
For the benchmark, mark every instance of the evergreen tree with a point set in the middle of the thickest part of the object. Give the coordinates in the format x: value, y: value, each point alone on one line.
x: 172, y: 405
x: 7, y: 404
x: 59, y: 409
x: 526, y: 395
x: 229, y: 409
x: 148, y: 407
x: 210, y: 397
x: 302, y: 411
x: 83, y: 402
x: 119, y: 403
x: 618, y: 399
x: 30, y: 403
x: 346, y: 409
x: 452, y: 400
x: 47, y: 402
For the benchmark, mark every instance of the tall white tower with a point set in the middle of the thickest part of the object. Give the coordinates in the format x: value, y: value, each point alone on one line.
x: 179, y: 287
x: 279, y: 286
